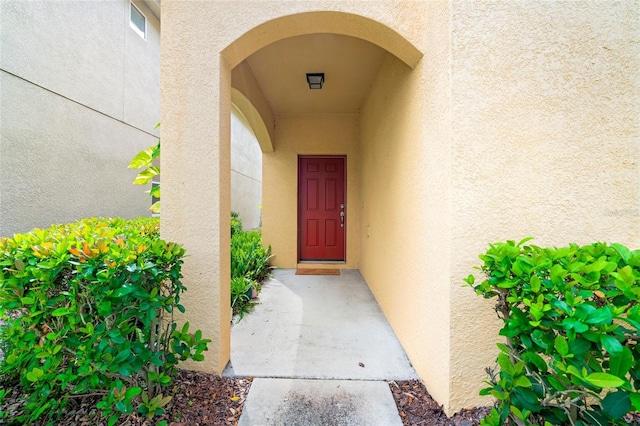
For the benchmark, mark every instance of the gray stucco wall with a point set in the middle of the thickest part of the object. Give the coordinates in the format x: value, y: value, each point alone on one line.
x: 246, y: 172
x: 79, y: 96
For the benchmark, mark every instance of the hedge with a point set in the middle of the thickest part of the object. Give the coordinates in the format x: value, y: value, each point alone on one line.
x: 88, y: 308
x: 570, y: 322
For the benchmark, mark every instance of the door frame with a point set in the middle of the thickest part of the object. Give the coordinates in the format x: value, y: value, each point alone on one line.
x: 298, y: 207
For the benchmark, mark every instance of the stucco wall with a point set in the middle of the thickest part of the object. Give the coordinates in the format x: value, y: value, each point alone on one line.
x: 520, y: 119
x: 405, y: 225
x: 246, y: 172
x: 545, y: 141
x: 307, y: 134
x: 80, y: 97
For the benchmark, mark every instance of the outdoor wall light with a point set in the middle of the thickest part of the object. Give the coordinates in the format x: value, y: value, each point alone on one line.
x: 315, y: 80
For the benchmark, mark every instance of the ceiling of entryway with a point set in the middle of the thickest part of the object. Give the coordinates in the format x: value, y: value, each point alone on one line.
x: 349, y: 64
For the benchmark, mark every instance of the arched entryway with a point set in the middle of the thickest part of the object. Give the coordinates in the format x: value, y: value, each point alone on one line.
x: 380, y: 134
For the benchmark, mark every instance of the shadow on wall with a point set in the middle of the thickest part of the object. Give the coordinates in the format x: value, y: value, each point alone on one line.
x: 246, y: 172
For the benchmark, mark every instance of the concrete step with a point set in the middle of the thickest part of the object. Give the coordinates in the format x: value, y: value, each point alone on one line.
x: 300, y: 402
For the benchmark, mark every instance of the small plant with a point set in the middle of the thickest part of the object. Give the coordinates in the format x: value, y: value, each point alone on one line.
x: 570, y: 320
x: 236, y: 224
x: 248, y: 257
x: 145, y: 159
x: 241, y: 289
x: 249, y: 266
x: 151, y: 407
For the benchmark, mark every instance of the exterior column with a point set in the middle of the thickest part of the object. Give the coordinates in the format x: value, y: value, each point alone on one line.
x: 195, y: 167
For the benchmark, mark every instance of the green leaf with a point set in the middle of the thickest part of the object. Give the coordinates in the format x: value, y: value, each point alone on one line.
x: 124, y: 290
x: 35, y: 374
x: 635, y: 400
x: 611, y: 344
x: 561, y: 346
x: 604, y: 380
x: 616, y: 404
x: 599, y: 316
x: 535, y: 359
x: 535, y: 284
x: 60, y: 312
x: 113, y: 419
x: 155, y: 207
x: 122, y: 355
x: 557, y: 274
x: 524, y: 240
x: 578, y: 326
x: 125, y: 370
x: 145, y: 176
x: 625, y: 275
x: 505, y: 364
x: 556, y: 384
x: 131, y: 392
x: 522, y: 381
x: 620, y: 362
x: 27, y: 300
x: 624, y: 252
x: 142, y: 159
x: 579, y: 346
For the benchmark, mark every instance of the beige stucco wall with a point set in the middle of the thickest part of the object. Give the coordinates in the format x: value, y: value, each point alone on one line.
x: 509, y: 126
x: 247, y: 96
x: 79, y: 93
x: 405, y: 228
x: 307, y: 134
x: 545, y: 141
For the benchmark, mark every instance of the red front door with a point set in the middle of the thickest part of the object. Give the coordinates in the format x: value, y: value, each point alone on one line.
x: 321, y: 208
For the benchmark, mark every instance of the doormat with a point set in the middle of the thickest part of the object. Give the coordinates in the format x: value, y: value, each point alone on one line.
x: 317, y: 271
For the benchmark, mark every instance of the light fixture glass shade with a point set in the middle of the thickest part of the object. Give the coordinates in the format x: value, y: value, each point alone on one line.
x: 315, y: 80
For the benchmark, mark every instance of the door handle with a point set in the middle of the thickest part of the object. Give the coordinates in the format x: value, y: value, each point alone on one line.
x: 342, y: 217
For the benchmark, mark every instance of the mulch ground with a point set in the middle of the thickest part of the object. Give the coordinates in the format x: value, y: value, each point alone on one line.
x: 417, y: 408
x: 205, y: 399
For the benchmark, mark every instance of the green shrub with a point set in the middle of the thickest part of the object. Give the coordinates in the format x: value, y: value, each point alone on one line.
x: 249, y: 267
x: 241, y: 290
x: 90, y: 309
x: 236, y: 223
x: 248, y: 257
x: 570, y: 319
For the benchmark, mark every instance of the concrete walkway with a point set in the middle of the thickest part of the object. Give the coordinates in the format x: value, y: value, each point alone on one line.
x: 320, y: 351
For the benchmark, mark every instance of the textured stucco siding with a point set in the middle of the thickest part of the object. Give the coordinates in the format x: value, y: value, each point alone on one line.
x: 521, y: 118
x: 405, y: 228
x: 545, y: 142
x: 307, y: 134
x: 246, y: 173
x: 80, y: 97
x: 60, y: 162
